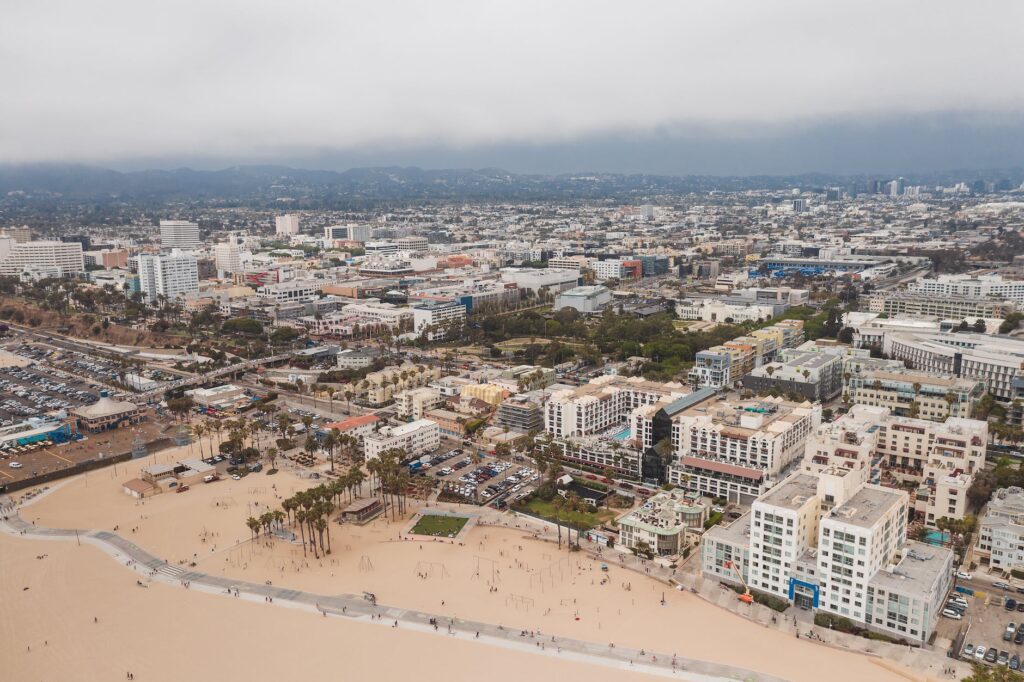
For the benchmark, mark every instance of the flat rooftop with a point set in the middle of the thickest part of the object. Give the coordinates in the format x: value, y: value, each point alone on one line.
x: 921, y: 567
x: 867, y: 506
x: 792, y: 493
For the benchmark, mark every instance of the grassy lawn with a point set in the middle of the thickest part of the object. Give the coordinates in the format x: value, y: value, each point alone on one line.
x: 588, y: 519
x: 439, y: 526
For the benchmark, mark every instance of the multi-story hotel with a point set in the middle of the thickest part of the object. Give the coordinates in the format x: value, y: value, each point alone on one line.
x: 737, y: 450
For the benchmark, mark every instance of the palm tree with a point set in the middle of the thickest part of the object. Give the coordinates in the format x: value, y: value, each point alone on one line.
x: 199, y: 430
x: 349, y: 394
x: 330, y: 442
x: 272, y: 455
x: 254, y: 526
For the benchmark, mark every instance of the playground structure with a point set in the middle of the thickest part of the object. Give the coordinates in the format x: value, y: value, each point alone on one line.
x: 427, y: 568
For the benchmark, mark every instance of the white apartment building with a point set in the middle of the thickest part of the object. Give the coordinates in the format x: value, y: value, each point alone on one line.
x: 738, y: 450
x: 412, y: 243
x: 169, y: 275
x: 286, y: 225
x: 435, y: 319
x: 416, y: 438
x: 411, y: 404
x: 858, y: 539
x: 293, y: 290
x: 830, y: 542
x: 179, y: 234
x: 602, y: 403
x: 228, y: 257
x: 784, y: 525
x: 1001, y: 534
x: 66, y: 256
x: 971, y: 286
x: 608, y: 269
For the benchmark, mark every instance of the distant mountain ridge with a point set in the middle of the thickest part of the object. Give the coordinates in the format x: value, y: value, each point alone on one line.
x: 272, y: 183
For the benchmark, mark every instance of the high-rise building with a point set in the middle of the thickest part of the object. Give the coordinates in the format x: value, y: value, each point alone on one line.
x: 19, y: 234
x: 228, y: 256
x: 67, y: 256
x: 179, y: 234
x: 286, y: 224
x: 170, y: 275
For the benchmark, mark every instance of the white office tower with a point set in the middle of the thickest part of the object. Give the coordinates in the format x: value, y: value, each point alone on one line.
x: 286, y: 224
x: 228, y: 257
x: 65, y: 256
x: 179, y: 234
x: 170, y: 275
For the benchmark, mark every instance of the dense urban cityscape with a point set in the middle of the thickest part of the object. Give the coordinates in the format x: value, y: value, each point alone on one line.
x: 528, y: 340
x: 811, y: 396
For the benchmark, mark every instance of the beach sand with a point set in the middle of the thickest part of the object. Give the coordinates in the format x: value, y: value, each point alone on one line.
x: 165, y: 634
x: 537, y: 587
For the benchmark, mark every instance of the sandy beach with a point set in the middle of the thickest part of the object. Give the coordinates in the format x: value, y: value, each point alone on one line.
x: 496, y: 575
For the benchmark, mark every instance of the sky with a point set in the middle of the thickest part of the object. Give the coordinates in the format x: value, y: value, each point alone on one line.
x: 716, y: 87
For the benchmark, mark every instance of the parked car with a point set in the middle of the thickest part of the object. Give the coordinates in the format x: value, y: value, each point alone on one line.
x: 950, y: 613
x: 236, y: 477
x: 991, y: 655
x: 979, y: 653
x: 181, y: 489
x: 963, y: 576
x: 1011, y: 604
x: 1001, y: 585
x: 968, y: 649
x: 15, y: 465
x: 1003, y: 658
x: 1014, y: 662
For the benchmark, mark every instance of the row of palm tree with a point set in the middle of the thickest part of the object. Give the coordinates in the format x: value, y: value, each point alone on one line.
x: 266, y: 522
x: 392, y: 479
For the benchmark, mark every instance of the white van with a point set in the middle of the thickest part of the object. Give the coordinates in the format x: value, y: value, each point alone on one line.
x: 950, y: 613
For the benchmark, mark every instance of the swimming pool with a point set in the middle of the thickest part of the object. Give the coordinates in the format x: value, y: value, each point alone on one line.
x: 936, y: 537
x: 624, y: 434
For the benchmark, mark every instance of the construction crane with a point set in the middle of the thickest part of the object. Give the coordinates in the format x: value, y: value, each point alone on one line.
x: 745, y: 597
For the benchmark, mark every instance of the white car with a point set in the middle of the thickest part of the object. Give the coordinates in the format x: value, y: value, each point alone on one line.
x: 15, y: 465
x: 979, y: 653
x: 963, y: 576
x: 236, y: 477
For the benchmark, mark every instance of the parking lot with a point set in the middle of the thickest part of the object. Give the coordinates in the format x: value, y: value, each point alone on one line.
x: 31, y: 391
x: 486, y: 481
x: 993, y: 620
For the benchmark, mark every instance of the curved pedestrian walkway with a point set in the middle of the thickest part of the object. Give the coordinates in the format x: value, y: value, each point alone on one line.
x: 364, y: 607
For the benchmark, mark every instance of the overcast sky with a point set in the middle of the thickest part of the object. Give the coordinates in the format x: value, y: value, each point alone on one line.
x: 153, y: 82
